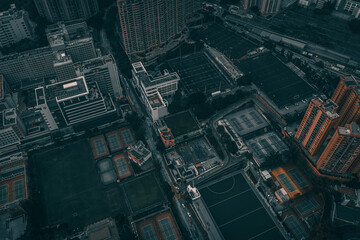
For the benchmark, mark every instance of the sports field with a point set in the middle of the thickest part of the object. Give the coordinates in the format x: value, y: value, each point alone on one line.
x: 70, y: 187
x: 237, y: 211
x: 198, y: 74
x: 226, y: 41
x: 181, y: 123
x: 275, y: 79
x: 143, y: 192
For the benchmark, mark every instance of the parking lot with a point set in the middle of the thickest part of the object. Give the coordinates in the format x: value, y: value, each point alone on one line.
x: 198, y: 74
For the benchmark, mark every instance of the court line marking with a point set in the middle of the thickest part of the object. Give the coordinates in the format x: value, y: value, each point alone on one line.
x: 262, y: 233
x: 219, y: 193
x: 224, y: 200
x: 244, y: 215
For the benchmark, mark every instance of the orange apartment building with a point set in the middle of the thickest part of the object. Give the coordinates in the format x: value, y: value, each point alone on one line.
x: 167, y: 138
x: 320, y: 117
x: 342, y: 150
x: 346, y: 96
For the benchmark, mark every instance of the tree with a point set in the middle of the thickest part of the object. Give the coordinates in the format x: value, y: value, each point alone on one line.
x: 254, y: 9
x: 196, y: 98
x: 245, y: 80
x: 231, y: 146
x: 203, y: 111
x: 220, y: 129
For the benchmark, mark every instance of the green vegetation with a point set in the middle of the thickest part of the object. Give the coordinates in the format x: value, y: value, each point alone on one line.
x: 136, y: 124
x: 225, y: 137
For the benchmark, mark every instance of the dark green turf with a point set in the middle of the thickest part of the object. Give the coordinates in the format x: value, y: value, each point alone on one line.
x: 181, y: 123
x: 70, y: 188
x: 143, y: 192
x: 237, y: 211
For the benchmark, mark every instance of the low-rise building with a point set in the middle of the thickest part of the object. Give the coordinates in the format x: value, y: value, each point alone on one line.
x: 153, y: 87
x: 165, y: 133
x: 13, y: 179
x: 138, y: 153
x: 75, y: 101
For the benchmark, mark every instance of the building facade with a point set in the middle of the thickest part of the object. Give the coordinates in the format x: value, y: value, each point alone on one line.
x: 320, y: 117
x: 265, y: 6
x: 39, y: 63
x: 147, y: 24
x: 342, y: 150
x: 14, y: 26
x: 347, y: 97
x: 64, y: 67
x: 104, y: 72
x: 66, y: 10
x: 153, y: 88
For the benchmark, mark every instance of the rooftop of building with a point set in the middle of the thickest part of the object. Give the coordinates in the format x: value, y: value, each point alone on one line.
x: 12, y: 13
x: 139, y: 150
x: 246, y: 121
x: 94, y: 63
x: 20, y: 55
x: 9, y: 117
x: 66, y: 90
x: 327, y: 106
x: 62, y: 58
x: 290, y: 178
x: 350, y: 129
x: 166, y: 134
x: 155, y: 101
x: 153, y: 78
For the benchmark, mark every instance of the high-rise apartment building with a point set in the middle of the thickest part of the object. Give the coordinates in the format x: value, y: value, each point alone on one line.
x: 320, y: 117
x: 342, y: 150
x: 39, y: 63
x: 14, y: 26
x: 269, y: 6
x: 104, y: 72
x: 147, y: 24
x: 66, y: 10
x: 265, y: 6
x: 64, y: 67
x: 347, y: 97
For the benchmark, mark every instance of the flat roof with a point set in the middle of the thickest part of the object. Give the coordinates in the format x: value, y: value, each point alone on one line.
x: 246, y: 121
x: 266, y: 144
x: 155, y: 101
x: 66, y: 90
x: 328, y: 107
x: 155, y: 78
